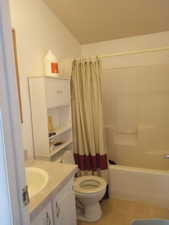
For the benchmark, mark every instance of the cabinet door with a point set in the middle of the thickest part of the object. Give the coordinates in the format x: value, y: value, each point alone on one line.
x: 64, y: 207
x: 56, y: 92
x: 44, y: 217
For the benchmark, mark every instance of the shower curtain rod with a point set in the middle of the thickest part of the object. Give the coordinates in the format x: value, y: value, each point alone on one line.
x: 135, y: 52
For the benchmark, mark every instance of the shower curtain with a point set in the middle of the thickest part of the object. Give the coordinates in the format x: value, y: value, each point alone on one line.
x: 88, y: 141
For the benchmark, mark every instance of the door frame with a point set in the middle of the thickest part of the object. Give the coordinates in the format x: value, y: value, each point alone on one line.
x: 9, y: 107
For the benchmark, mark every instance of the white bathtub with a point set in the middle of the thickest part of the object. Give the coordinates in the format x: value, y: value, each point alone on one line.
x: 138, y: 184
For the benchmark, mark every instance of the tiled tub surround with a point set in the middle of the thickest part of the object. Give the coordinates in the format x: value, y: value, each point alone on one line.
x: 136, y: 111
x: 59, y: 174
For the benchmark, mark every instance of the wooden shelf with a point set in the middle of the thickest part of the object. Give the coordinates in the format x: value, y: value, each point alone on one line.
x: 55, y: 151
x: 60, y: 147
x: 60, y: 131
x: 58, y: 106
x: 59, y: 77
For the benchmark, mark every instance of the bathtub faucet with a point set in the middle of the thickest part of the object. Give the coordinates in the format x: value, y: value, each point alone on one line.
x: 166, y: 156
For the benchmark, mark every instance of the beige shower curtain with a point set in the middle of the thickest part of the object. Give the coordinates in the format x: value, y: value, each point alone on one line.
x: 87, y: 118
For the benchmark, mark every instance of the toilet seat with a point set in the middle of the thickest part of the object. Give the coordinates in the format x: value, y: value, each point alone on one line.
x: 89, y: 184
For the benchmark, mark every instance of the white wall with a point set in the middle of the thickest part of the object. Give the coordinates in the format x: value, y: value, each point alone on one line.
x: 37, y: 30
x: 135, y: 100
x: 126, y: 44
x: 136, y: 108
x: 156, y: 40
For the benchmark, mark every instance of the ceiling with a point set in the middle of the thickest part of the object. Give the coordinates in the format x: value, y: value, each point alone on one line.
x: 101, y: 20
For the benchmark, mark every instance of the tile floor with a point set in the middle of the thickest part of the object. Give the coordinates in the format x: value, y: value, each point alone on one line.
x: 122, y: 212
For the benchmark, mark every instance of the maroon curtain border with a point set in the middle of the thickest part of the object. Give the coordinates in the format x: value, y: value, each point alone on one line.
x: 90, y: 162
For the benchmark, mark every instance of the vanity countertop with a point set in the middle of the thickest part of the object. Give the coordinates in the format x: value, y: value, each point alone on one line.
x: 58, y: 174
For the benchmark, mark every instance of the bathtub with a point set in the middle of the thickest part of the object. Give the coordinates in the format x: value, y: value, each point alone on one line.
x: 138, y: 184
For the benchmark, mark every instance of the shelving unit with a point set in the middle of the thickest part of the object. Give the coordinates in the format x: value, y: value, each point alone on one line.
x: 59, y: 148
x: 61, y: 131
x: 50, y: 97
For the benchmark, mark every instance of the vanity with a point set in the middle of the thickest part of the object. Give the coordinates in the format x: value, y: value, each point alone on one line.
x: 52, y: 199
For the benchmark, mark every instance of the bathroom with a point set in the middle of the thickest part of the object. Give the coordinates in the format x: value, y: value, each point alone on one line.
x: 135, y: 92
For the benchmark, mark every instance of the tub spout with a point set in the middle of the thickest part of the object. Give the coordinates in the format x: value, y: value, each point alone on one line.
x: 166, y: 156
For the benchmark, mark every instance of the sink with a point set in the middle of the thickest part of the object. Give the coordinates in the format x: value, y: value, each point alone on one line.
x: 36, y: 179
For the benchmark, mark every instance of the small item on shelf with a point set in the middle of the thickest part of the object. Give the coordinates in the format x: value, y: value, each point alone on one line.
x: 54, y: 145
x: 52, y: 134
x: 50, y: 126
x: 51, y: 64
x: 51, y: 147
x: 58, y: 143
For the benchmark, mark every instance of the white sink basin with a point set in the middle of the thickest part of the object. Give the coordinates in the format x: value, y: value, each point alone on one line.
x: 36, y: 179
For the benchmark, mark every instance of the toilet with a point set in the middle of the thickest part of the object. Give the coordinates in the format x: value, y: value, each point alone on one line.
x: 89, y: 190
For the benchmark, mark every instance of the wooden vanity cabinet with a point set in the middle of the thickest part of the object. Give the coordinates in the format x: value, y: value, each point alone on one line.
x: 45, y: 217
x: 60, y: 210
x: 64, y: 209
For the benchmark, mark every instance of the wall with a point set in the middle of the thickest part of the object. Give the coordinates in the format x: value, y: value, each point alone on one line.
x: 37, y: 30
x: 135, y: 100
x: 154, y: 40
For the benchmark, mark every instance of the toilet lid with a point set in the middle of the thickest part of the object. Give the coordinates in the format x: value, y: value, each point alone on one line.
x: 89, y: 184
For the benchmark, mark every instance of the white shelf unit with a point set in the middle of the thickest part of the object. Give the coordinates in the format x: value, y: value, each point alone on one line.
x: 61, y: 131
x: 59, y: 148
x: 50, y: 96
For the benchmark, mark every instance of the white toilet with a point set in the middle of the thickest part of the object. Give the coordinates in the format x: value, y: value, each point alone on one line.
x: 89, y: 190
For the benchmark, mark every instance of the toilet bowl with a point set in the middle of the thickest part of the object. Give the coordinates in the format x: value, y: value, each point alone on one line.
x: 89, y: 190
